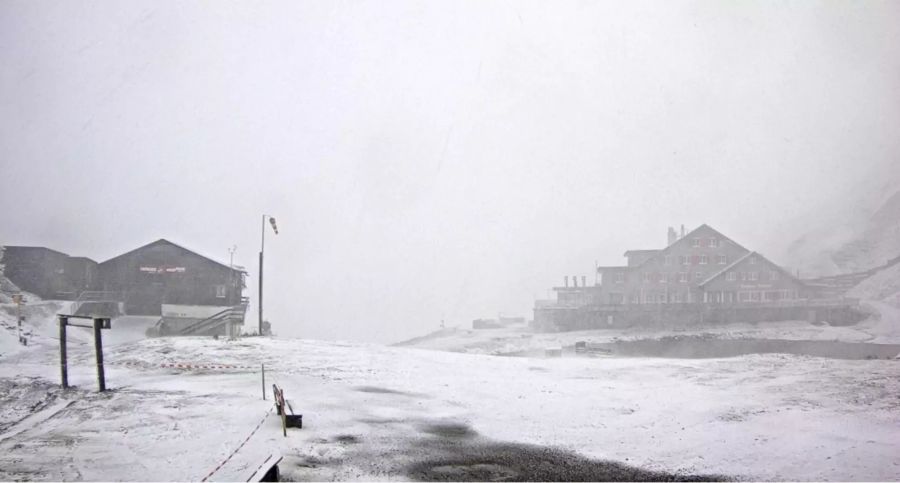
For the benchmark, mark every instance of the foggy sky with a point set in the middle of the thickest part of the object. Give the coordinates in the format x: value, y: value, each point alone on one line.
x: 435, y: 160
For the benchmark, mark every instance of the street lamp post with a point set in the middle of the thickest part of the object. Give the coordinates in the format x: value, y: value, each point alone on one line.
x: 262, y: 249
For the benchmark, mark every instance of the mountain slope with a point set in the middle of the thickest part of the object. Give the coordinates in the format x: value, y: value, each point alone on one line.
x: 848, y: 240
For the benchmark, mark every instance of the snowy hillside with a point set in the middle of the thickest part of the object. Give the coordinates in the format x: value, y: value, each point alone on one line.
x: 847, y: 240
x: 883, y: 285
x: 40, y: 325
x: 878, y: 243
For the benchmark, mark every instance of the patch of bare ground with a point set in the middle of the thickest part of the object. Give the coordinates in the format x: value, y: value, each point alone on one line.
x: 482, y: 460
x: 446, y: 450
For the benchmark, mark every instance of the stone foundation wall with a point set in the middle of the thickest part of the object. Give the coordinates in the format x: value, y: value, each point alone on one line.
x: 551, y: 319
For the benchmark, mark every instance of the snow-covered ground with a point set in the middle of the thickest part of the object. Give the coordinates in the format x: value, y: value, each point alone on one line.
x: 374, y: 413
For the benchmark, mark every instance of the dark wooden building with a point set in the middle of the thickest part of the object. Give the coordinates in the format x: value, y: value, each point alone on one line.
x: 165, y: 273
x: 48, y: 273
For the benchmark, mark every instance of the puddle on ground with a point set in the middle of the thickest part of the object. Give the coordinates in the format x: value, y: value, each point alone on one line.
x: 382, y: 390
x: 699, y: 347
x: 449, y: 430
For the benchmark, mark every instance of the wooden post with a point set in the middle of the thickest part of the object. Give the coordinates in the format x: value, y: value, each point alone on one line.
x: 63, y: 368
x: 264, y: 381
x: 283, y: 411
x: 98, y: 348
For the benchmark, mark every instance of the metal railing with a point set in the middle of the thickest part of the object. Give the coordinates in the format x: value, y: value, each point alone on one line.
x: 230, y: 314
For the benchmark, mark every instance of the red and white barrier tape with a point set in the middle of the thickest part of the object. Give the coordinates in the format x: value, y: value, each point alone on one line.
x: 239, y: 447
x: 181, y: 366
x: 201, y: 366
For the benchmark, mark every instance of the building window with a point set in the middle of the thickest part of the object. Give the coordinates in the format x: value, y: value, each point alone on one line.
x: 754, y: 276
x: 704, y: 259
x: 714, y: 242
x: 663, y: 278
x: 620, y: 277
x: 685, y: 260
x: 731, y: 276
x: 220, y: 291
x: 683, y: 277
x: 695, y: 242
x: 723, y: 259
x: 648, y: 298
x: 752, y: 260
x: 773, y: 275
x: 645, y: 277
x: 661, y: 298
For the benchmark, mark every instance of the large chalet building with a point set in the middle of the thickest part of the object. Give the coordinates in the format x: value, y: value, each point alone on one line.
x: 699, y: 276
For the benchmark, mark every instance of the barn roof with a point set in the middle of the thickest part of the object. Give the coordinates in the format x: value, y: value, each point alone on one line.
x: 24, y: 247
x: 167, y: 242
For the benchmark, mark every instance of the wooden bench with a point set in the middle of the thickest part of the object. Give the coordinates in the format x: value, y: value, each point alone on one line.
x: 282, y: 406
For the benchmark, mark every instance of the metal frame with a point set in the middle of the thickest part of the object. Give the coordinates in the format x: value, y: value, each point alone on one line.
x: 99, y: 323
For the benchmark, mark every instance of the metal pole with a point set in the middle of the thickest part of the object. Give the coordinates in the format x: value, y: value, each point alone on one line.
x: 262, y: 248
x: 98, y: 348
x: 64, y: 371
x: 260, y: 293
x: 264, y: 381
x: 19, y: 317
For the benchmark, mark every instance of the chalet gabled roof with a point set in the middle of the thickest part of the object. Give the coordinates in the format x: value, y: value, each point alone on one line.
x: 741, y: 259
x: 685, y: 237
x: 163, y: 241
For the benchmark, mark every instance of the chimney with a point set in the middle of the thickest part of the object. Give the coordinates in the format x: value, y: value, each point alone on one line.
x: 575, y: 281
x: 567, y: 281
x: 672, y: 236
x: 584, y: 281
x: 682, y: 231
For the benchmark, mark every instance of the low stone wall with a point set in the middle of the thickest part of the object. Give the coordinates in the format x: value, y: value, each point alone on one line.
x: 551, y: 319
